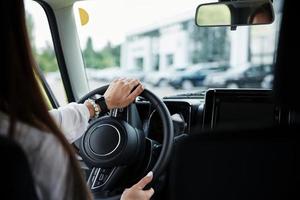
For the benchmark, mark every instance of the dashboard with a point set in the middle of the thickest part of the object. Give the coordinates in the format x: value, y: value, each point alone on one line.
x: 209, y: 110
x: 185, y: 112
x: 213, y: 109
x: 197, y: 113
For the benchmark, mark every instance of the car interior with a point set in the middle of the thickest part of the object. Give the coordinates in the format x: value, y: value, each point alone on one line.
x: 213, y: 143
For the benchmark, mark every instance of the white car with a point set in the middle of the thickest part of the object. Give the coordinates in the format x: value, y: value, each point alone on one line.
x: 111, y: 73
x: 218, y: 79
x: 162, y: 78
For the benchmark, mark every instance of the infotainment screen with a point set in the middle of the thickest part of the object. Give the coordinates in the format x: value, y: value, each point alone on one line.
x: 244, y: 108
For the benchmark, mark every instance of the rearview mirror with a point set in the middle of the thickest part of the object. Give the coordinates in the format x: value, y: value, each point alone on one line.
x: 235, y: 13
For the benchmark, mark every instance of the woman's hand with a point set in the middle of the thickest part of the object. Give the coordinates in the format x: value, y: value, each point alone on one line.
x: 136, y: 192
x: 119, y: 93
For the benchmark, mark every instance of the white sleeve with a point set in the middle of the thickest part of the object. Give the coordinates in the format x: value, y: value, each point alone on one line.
x: 72, y: 119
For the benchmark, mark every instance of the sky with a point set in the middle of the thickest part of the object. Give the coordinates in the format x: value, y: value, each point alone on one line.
x: 112, y: 20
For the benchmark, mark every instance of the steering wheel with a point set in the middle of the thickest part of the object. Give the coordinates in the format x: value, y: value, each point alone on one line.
x: 114, y: 147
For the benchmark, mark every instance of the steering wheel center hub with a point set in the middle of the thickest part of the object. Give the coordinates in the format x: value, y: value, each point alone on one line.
x: 105, y: 140
x: 111, y: 142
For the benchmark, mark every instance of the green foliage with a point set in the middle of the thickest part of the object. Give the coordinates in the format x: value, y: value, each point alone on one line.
x: 46, y: 59
x: 107, y: 57
x: 209, y: 44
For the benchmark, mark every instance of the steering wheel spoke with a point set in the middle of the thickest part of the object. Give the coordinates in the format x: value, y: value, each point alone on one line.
x: 153, y: 151
x: 133, y: 117
x: 99, y: 177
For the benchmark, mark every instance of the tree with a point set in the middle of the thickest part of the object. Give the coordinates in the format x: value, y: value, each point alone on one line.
x: 45, y: 57
x: 89, y: 55
x: 109, y: 56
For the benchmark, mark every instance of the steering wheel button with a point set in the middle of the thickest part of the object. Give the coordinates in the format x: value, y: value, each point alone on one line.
x: 102, y: 170
x: 97, y: 183
x: 105, y: 170
x: 101, y: 177
x: 105, y: 177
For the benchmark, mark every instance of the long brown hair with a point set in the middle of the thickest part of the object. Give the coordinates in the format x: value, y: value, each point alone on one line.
x: 20, y: 95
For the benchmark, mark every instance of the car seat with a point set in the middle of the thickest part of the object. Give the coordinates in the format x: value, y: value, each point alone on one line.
x: 16, y: 180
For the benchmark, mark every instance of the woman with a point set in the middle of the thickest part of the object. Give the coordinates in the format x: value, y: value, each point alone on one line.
x: 25, y: 118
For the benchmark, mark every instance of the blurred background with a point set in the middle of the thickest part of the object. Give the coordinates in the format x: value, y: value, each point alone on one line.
x: 158, y: 43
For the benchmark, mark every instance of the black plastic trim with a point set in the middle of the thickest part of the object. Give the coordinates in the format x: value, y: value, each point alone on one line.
x: 213, y: 96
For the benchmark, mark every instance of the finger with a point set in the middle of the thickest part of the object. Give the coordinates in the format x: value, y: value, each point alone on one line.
x: 144, y: 181
x: 135, y: 93
x: 120, y: 80
x: 116, y: 80
x: 133, y: 81
x: 124, y: 81
x: 126, y: 89
x: 149, y: 193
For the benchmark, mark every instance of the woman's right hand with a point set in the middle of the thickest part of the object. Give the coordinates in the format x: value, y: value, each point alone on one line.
x: 136, y: 192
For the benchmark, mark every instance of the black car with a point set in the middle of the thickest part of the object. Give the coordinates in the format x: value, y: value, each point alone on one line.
x: 249, y: 77
x: 192, y: 78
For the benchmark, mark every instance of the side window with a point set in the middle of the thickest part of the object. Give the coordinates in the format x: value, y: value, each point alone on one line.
x: 43, y: 50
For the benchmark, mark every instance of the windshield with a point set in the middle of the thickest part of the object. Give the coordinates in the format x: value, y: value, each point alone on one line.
x: 158, y: 42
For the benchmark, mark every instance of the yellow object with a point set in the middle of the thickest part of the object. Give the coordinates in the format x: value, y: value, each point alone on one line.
x: 43, y: 90
x: 46, y: 98
x: 84, y: 16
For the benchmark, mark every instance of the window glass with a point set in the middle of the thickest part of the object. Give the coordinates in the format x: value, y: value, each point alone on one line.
x: 42, y: 47
x: 170, y: 59
x: 159, y: 43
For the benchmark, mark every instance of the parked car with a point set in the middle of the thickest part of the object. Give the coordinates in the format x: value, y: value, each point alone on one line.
x: 109, y: 74
x: 242, y: 77
x: 101, y: 74
x: 193, y: 77
x: 162, y: 78
x: 129, y: 73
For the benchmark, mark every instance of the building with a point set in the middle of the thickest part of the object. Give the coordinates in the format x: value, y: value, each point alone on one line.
x: 178, y: 43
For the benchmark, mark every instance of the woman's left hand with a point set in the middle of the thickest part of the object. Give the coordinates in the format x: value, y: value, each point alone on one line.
x: 121, y: 92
